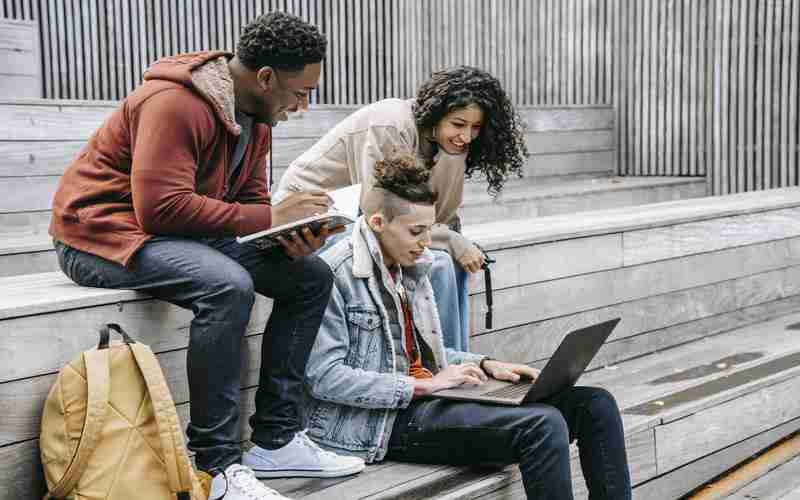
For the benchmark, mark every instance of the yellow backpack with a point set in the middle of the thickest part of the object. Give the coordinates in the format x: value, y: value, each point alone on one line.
x: 110, y: 431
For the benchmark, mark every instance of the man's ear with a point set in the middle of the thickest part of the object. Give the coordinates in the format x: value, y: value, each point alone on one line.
x: 266, y: 78
x: 377, y: 222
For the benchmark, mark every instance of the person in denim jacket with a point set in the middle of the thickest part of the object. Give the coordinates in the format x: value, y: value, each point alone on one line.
x: 379, y: 353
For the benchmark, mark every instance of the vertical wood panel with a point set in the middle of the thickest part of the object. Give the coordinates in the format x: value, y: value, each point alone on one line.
x: 794, y: 103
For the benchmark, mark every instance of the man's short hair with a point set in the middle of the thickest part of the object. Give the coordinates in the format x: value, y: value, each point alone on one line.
x: 281, y: 41
x: 400, y: 181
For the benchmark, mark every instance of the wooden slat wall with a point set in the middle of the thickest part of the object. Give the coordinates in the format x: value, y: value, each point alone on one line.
x: 552, y: 52
x: 20, y: 74
x: 700, y: 88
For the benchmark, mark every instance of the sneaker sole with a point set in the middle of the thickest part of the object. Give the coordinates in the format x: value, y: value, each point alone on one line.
x: 275, y: 474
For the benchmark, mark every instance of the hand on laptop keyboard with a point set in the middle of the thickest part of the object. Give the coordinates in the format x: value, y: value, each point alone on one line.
x: 510, y: 372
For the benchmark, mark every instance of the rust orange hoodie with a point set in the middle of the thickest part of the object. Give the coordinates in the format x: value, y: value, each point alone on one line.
x: 159, y: 164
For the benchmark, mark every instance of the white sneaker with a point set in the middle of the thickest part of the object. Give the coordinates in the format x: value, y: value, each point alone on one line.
x: 239, y: 483
x: 301, y: 457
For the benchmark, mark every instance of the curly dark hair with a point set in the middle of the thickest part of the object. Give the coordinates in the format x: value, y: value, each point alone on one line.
x: 281, y: 41
x: 499, y: 150
x: 404, y: 177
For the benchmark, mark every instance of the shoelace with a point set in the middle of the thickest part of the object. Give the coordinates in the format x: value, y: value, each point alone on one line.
x: 245, y: 481
x: 309, y: 443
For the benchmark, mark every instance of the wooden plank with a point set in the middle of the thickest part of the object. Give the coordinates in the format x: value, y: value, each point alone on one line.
x: 569, y: 163
x: 46, y: 49
x: 576, y: 118
x: 768, y: 8
x: 684, y: 94
x: 581, y: 195
x: 685, y: 479
x: 568, y: 141
x: 503, y: 233
x: 553, y: 261
x: 794, y: 71
x: 756, y: 178
x: 707, y: 236
x: 160, y: 325
x: 23, y: 86
x: 664, y: 374
x: 677, y: 334
x: 697, y: 162
x: 18, y: 35
x: 775, y: 106
x: 21, y: 471
x: 654, y: 323
x: 558, y: 298
x: 27, y: 193
x: 663, y: 132
x: 677, y: 444
x: 36, y: 158
x: 41, y: 123
x: 26, y: 122
x: 28, y: 158
x: 741, y: 91
x: 90, y: 21
x: 785, y: 149
x: 776, y: 483
x: 28, y: 263
x: 24, y: 224
x: 19, y: 62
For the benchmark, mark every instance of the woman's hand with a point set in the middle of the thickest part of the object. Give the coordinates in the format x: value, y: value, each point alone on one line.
x: 510, y: 372
x: 452, y: 376
x: 472, y: 260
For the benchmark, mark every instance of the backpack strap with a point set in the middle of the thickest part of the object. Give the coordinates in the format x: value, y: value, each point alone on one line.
x: 179, y: 470
x: 98, y: 383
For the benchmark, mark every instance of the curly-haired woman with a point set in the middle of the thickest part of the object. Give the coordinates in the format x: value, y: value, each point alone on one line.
x: 461, y: 123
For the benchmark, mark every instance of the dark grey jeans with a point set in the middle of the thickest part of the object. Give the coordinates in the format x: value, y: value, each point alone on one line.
x: 217, y: 278
x: 536, y: 436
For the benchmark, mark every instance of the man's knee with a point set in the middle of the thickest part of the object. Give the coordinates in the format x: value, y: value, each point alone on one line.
x: 549, y: 429
x: 315, y: 276
x: 602, y: 404
x: 231, y: 289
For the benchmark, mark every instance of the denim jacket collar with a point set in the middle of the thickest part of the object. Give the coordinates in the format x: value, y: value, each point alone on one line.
x: 367, y: 252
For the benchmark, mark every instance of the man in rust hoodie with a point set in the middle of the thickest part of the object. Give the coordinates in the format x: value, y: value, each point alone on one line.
x: 153, y: 203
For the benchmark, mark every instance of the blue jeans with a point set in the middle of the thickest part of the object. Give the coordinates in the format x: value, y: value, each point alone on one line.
x: 217, y: 278
x: 449, y: 282
x: 536, y: 436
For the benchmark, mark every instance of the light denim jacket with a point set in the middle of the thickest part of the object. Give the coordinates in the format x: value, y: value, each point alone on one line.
x: 351, y: 375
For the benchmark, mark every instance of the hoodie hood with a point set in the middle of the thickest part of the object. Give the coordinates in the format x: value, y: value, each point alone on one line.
x: 208, y: 75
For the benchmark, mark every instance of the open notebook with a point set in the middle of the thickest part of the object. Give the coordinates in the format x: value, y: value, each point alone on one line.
x: 344, y: 211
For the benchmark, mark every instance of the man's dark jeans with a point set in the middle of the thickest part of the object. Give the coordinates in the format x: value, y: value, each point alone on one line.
x: 216, y: 278
x: 536, y: 436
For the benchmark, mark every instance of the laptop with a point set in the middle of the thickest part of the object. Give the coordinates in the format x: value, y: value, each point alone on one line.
x: 561, y: 372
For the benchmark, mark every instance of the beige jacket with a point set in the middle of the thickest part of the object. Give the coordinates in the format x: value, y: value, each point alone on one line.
x: 347, y: 155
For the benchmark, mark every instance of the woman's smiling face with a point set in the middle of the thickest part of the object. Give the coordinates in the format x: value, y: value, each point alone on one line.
x: 458, y: 128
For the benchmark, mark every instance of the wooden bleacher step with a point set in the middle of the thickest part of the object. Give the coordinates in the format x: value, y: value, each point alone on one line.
x: 22, y: 253
x: 782, y: 482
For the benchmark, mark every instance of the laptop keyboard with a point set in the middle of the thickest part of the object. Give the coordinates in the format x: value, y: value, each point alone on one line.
x: 510, y: 391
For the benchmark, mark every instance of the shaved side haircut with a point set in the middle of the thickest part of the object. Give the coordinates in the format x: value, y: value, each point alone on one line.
x: 400, y: 182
